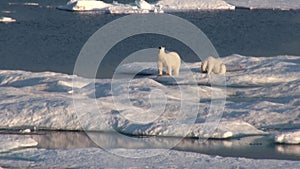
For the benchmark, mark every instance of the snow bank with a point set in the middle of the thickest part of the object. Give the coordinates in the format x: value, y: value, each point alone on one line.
x: 95, y: 157
x: 225, y: 129
x: 10, y: 142
x: 7, y: 20
x: 261, y: 93
x: 238, y: 128
x: 266, y: 4
x: 288, y: 137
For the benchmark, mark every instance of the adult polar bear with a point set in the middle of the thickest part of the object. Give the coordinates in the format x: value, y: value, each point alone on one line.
x: 169, y: 60
x: 213, y: 65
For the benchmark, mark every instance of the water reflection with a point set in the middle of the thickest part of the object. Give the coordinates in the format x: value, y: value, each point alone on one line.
x: 63, y: 140
x: 261, y: 147
x: 289, y: 149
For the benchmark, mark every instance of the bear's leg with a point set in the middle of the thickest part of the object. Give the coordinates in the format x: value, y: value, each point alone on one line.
x: 223, y: 69
x: 209, y: 69
x: 176, y: 71
x: 169, y: 71
x: 204, y: 66
x: 160, y: 69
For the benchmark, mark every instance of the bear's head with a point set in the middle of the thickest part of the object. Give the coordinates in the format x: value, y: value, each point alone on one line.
x: 161, y: 48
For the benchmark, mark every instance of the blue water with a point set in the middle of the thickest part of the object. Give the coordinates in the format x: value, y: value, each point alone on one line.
x: 47, y: 39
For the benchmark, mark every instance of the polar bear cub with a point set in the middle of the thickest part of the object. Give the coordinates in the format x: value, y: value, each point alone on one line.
x: 213, y: 65
x: 170, y: 60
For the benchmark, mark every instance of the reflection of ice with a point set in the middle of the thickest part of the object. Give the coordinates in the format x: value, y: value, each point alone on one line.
x: 289, y: 149
x: 73, y: 149
x: 63, y: 140
x: 252, y: 147
x: 113, y: 140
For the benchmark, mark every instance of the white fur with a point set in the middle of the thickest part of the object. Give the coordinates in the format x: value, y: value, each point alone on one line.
x: 171, y: 61
x: 213, y: 65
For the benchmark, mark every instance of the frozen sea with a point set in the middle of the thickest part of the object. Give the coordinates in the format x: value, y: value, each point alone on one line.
x: 44, y: 109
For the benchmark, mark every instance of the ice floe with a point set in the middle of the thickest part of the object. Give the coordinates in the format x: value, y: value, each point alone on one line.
x: 7, y: 20
x: 261, y: 93
x: 178, y: 5
x: 266, y: 4
x: 142, y: 6
x: 288, y: 137
x: 85, y: 5
x: 95, y: 157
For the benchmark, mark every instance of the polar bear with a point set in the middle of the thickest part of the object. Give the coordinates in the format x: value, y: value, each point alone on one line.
x: 169, y: 60
x: 213, y: 65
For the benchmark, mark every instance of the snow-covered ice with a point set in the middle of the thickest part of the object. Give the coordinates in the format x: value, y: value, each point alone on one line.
x: 262, y: 96
x: 139, y: 6
x: 288, y: 137
x: 142, y: 6
x: 98, y: 158
x: 262, y: 93
x: 178, y: 5
x: 266, y: 4
x: 31, y: 4
x: 7, y: 19
x: 85, y: 5
x: 9, y: 142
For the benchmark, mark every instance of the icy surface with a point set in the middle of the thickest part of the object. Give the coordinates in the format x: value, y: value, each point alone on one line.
x: 262, y: 93
x: 288, y: 137
x: 8, y: 143
x: 85, y: 5
x: 95, y: 158
x: 194, y: 5
x: 265, y: 92
x: 7, y: 19
x: 142, y: 6
x: 266, y: 4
